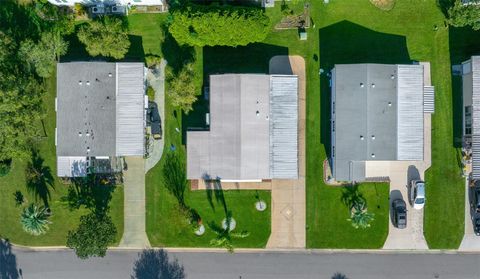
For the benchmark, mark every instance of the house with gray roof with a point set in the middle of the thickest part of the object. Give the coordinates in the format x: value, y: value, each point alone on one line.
x: 253, y: 133
x: 377, y: 114
x: 471, y: 112
x: 100, y: 110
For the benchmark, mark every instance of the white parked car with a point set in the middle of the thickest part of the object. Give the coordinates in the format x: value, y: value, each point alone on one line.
x: 417, y: 194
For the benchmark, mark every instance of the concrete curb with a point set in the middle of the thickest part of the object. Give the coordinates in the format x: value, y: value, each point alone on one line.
x: 258, y: 250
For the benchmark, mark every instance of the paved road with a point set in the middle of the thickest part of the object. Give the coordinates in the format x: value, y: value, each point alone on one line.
x: 123, y: 264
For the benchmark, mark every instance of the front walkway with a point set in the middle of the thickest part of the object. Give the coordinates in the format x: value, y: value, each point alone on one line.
x: 470, y: 241
x: 288, y: 196
x: 134, y: 235
x: 156, y: 79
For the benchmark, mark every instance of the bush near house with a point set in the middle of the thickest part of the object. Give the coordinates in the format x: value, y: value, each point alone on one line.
x: 219, y: 26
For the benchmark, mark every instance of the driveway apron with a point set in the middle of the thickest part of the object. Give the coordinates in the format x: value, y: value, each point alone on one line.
x: 134, y: 235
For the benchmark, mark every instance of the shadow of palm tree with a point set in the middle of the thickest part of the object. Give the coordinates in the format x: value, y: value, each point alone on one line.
x: 175, y: 177
x: 155, y: 264
x: 351, y: 195
x: 8, y: 261
x: 214, y: 189
x: 339, y: 275
x: 39, y: 178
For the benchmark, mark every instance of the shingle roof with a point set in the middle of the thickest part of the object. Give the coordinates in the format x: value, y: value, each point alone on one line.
x: 378, y: 116
x: 238, y: 145
x: 100, y: 109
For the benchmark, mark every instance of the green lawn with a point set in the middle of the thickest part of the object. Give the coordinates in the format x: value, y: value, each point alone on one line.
x: 347, y: 32
x: 62, y: 218
x: 353, y: 32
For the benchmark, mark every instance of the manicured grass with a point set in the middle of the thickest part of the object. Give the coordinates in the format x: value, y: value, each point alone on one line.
x: 62, y: 218
x: 404, y: 33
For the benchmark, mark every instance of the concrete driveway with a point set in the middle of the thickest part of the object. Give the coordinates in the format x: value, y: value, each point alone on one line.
x: 470, y: 241
x: 288, y: 196
x: 134, y: 235
x: 156, y: 79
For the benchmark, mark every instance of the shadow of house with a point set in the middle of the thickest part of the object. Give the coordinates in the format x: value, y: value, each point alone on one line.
x: 8, y: 261
x: 463, y: 43
x: 348, y: 43
x: 135, y: 51
x: 155, y: 264
x: 250, y: 59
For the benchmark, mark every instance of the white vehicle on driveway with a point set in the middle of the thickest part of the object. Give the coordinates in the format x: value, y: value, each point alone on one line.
x: 417, y: 194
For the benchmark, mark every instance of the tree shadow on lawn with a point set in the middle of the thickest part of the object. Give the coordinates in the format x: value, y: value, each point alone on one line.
x: 8, y: 261
x: 94, y: 192
x: 463, y: 43
x: 39, y: 178
x: 349, y: 43
x: 156, y: 264
x: 214, y: 189
x: 250, y: 59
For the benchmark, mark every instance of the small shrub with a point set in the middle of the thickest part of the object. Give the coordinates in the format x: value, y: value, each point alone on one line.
x: 150, y: 94
x: 153, y: 60
x: 5, y: 167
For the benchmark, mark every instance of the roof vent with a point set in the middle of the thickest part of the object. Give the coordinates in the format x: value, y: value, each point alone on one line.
x: 79, y: 134
x: 87, y: 134
x: 389, y: 104
x: 266, y: 117
x: 373, y: 137
x: 373, y: 85
x: 258, y: 113
x: 109, y: 74
x: 88, y: 82
x: 362, y: 85
x: 88, y: 148
x: 79, y: 82
x: 392, y: 76
x: 361, y: 138
x: 373, y: 155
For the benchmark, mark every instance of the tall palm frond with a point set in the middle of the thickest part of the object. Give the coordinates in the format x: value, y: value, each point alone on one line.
x: 34, y: 220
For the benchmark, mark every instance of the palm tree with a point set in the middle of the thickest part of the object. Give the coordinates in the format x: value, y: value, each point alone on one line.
x: 34, y: 220
x: 360, y: 217
x: 225, y: 235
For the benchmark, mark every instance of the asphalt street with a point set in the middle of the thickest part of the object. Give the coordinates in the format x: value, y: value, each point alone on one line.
x: 21, y: 263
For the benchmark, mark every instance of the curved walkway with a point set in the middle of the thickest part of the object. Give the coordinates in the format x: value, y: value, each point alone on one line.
x: 156, y: 79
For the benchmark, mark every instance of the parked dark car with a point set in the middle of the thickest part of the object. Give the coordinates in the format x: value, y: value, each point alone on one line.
x: 475, y: 204
x: 153, y: 118
x: 476, y: 223
x: 399, y: 213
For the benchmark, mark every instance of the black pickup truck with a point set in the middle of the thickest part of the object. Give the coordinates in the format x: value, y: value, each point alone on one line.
x: 153, y: 118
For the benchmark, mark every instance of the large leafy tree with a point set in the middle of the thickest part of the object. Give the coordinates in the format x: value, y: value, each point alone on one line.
x: 106, y: 37
x: 460, y: 15
x: 219, y: 26
x: 93, y: 235
x: 34, y: 220
x: 20, y: 111
x: 182, y: 88
x: 43, y: 55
